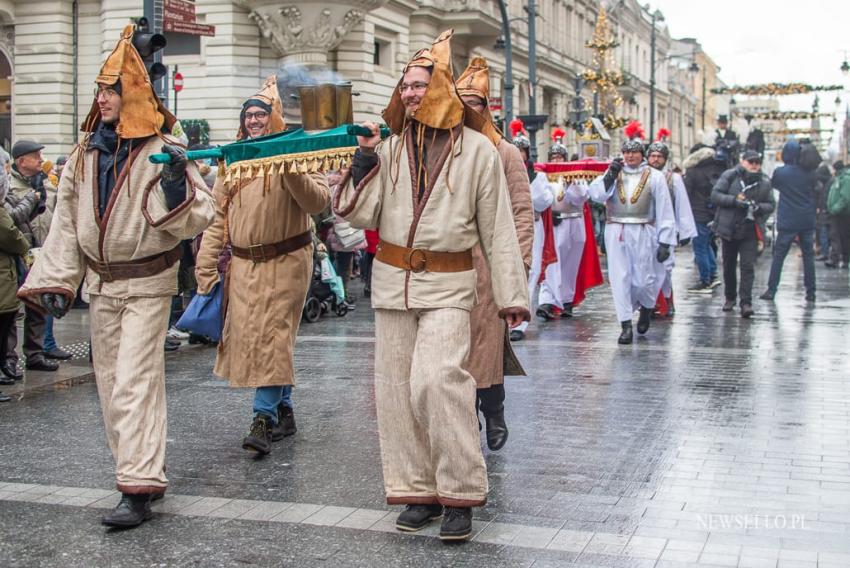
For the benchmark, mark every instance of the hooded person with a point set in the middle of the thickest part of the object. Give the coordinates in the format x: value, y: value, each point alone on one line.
x: 640, y: 229
x: 264, y: 215
x: 435, y: 190
x: 486, y: 355
x: 658, y: 156
x: 119, y: 222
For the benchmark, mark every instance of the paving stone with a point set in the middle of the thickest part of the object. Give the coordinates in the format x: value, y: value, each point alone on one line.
x: 328, y: 515
x: 362, y: 519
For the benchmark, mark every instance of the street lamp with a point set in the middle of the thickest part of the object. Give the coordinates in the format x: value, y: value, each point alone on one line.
x: 656, y: 16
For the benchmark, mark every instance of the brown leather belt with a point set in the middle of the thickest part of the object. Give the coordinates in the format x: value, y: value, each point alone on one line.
x: 263, y: 253
x: 421, y: 260
x: 141, y: 268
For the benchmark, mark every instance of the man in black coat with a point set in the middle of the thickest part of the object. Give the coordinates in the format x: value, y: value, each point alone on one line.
x: 795, y: 219
x: 702, y: 170
x: 744, y: 198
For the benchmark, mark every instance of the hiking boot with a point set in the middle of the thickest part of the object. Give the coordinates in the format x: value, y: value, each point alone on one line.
x: 546, y: 311
x: 626, y: 334
x: 417, y: 517
x: 130, y: 512
x: 728, y: 305
x: 747, y: 311
x: 285, y: 423
x: 457, y: 523
x: 259, y: 439
x: 644, y: 320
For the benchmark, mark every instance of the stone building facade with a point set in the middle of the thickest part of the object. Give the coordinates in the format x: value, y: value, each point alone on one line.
x: 52, y: 50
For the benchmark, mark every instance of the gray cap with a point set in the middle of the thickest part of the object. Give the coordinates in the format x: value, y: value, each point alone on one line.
x: 24, y: 147
x: 751, y: 156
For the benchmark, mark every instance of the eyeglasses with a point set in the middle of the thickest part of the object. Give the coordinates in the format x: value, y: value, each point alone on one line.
x: 259, y: 115
x: 105, y: 92
x: 415, y: 87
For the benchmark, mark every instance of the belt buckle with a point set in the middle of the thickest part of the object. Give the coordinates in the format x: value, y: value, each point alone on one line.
x: 257, y: 258
x: 421, y: 258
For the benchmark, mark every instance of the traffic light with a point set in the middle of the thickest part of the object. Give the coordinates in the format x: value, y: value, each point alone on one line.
x: 147, y: 44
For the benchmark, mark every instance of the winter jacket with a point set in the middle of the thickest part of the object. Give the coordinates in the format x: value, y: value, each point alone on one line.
x: 20, y: 186
x: 839, y: 194
x: 12, y: 244
x: 731, y: 219
x: 796, y: 189
x: 702, y: 170
x: 23, y: 209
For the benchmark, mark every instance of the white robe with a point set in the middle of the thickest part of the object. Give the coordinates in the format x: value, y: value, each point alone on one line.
x: 634, y: 273
x: 685, y: 227
x: 559, y: 287
x: 541, y: 199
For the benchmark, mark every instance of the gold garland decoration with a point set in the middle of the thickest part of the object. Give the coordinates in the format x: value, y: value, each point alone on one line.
x: 300, y: 163
x: 587, y: 175
x: 774, y: 89
x: 621, y: 191
x: 790, y: 115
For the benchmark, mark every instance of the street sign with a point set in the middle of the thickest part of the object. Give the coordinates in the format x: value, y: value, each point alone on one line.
x: 179, y: 17
x: 495, y: 103
x: 177, y: 80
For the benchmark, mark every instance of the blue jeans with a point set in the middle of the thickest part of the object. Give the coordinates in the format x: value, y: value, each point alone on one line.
x: 703, y: 253
x: 49, y: 339
x: 267, y: 399
x: 784, y: 239
x: 823, y: 239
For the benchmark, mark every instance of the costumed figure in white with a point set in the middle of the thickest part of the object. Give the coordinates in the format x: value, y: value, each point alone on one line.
x: 640, y: 230
x: 658, y: 155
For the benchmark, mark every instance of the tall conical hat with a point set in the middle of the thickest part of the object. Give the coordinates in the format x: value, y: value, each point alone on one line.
x: 142, y: 113
x: 475, y: 81
x: 441, y: 106
x: 269, y: 95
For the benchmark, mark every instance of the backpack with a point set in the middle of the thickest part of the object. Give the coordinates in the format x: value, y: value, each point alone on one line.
x: 809, y: 157
x: 838, y: 202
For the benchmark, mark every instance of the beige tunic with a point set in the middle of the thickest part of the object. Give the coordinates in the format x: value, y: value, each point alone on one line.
x: 465, y: 205
x: 136, y: 224
x: 265, y: 299
x: 486, y: 360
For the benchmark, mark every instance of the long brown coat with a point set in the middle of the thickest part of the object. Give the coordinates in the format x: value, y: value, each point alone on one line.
x: 488, y: 329
x: 265, y: 299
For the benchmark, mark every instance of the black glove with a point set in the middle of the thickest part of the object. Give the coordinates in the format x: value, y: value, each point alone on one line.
x: 56, y: 304
x: 684, y: 242
x: 663, y: 252
x: 173, y: 179
x: 613, y: 171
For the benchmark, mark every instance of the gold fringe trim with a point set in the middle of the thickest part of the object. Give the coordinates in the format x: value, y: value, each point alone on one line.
x: 301, y: 163
x: 588, y: 175
x: 621, y: 191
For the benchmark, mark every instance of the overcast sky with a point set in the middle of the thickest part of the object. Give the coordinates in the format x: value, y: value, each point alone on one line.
x: 759, y: 41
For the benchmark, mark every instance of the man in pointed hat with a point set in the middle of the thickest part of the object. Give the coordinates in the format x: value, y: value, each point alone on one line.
x: 640, y: 229
x: 658, y: 154
x: 118, y: 222
x: 489, y: 331
x: 265, y: 216
x: 435, y: 189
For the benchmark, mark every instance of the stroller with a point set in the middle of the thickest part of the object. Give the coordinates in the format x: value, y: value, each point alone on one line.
x: 326, y: 293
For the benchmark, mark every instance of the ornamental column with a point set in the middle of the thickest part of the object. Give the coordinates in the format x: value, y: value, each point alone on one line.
x: 305, y: 32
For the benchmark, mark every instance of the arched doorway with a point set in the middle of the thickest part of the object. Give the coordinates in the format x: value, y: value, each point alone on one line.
x: 5, y: 101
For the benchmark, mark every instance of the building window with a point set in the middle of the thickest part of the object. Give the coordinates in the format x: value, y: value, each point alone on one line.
x: 376, y: 54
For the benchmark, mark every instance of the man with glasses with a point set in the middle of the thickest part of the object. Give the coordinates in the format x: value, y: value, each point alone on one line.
x: 435, y: 189
x: 744, y: 199
x: 119, y: 222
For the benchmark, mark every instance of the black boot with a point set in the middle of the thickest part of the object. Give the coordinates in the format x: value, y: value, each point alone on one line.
x: 644, y: 320
x: 567, y: 312
x: 259, y: 439
x: 457, y: 523
x: 625, y: 335
x: 285, y: 423
x: 131, y: 511
x: 10, y: 369
x: 546, y: 311
x: 497, y: 430
x: 416, y: 517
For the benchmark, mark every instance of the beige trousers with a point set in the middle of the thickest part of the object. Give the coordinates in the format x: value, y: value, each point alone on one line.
x: 427, y: 425
x: 129, y: 366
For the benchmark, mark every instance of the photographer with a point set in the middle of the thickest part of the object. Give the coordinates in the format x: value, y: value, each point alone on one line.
x: 744, y: 199
x: 25, y: 178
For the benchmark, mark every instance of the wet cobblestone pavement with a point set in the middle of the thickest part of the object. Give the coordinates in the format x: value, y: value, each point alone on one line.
x: 713, y: 441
